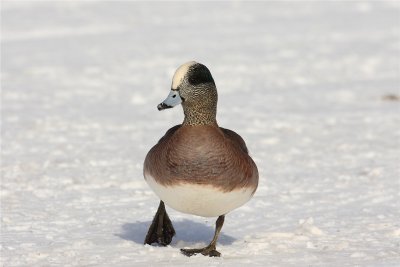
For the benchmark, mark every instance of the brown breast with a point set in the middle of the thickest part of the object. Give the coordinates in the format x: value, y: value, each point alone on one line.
x: 203, y: 154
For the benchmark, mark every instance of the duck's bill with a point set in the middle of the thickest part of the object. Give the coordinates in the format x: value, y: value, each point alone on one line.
x: 171, y: 101
x: 162, y: 106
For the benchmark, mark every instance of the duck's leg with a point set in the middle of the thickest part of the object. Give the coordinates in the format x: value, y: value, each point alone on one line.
x: 161, y: 230
x: 209, y: 250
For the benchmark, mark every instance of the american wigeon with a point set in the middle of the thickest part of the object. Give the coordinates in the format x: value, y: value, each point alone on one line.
x: 197, y: 167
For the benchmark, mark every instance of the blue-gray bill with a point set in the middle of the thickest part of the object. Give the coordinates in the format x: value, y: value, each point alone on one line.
x: 171, y: 101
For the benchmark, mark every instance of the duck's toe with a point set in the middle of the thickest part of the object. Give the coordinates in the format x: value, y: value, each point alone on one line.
x: 206, y: 251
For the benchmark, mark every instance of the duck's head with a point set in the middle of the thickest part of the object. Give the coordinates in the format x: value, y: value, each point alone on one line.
x: 193, y: 86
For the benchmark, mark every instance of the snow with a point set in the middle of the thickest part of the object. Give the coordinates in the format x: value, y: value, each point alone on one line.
x: 312, y: 87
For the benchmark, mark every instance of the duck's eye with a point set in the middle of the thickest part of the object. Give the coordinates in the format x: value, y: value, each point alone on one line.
x: 173, y: 96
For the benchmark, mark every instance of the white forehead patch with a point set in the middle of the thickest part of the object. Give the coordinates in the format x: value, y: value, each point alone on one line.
x: 180, y: 74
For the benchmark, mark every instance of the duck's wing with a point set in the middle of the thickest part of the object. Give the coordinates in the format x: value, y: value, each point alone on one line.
x: 246, y: 166
x: 235, y: 139
x: 155, y: 158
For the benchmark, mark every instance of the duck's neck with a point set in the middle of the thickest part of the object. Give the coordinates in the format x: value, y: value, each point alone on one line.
x: 199, y: 115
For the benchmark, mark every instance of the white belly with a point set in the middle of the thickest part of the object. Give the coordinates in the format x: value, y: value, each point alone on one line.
x: 206, y: 201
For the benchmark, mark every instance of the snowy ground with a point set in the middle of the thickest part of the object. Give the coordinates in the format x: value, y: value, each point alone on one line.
x: 313, y: 88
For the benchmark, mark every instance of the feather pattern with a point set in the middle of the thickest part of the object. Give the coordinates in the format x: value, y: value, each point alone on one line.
x: 202, y: 155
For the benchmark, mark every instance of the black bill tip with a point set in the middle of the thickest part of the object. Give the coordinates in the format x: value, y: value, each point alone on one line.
x: 163, y: 106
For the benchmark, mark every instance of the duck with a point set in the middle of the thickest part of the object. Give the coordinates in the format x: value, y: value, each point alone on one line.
x: 197, y: 167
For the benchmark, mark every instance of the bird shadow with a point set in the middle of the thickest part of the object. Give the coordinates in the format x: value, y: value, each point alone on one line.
x: 186, y: 231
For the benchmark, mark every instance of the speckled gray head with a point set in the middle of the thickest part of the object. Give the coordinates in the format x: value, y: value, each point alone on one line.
x: 188, y: 79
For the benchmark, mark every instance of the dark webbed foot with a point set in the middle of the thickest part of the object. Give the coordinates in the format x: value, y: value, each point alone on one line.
x: 206, y: 251
x: 209, y: 250
x: 161, y: 230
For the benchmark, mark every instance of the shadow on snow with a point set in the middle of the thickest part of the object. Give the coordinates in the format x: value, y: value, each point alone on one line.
x: 186, y: 230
